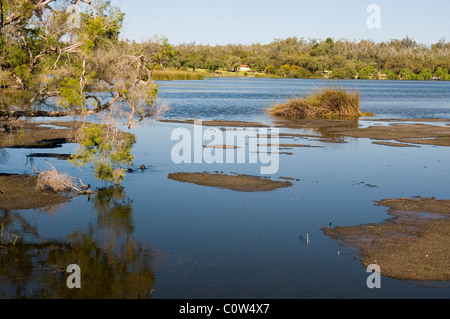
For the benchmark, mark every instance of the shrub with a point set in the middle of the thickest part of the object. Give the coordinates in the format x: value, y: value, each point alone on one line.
x: 325, y: 103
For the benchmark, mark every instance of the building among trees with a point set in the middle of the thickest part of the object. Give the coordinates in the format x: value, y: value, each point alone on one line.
x: 244, y: 68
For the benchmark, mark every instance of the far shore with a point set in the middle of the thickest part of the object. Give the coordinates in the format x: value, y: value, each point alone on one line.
x: 201, y: 74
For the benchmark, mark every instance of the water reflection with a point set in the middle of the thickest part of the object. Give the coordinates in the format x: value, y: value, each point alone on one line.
x: 114, y: 213
x: 119, y: 267
x: 3, y: 156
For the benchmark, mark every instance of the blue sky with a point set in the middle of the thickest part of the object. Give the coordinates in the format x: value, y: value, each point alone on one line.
x: 261, y: 21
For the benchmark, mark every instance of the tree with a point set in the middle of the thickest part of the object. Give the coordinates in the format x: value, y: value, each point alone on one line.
x: 214, y: 63
x: 165, y: 52
x: 368, y: 72
x: 233, y: 63
x: 391, y: 75
x: 194, y: 61
x: 51, y: 53
x: 425, y: 74
x: 284, y: 70
x: 442, y: 74
x: 407, y: 74
x: 346, y: 72
x: 270, y: 69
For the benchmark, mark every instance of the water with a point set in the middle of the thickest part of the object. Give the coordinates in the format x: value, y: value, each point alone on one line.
x: 244, y: 99
x: 179, y: 240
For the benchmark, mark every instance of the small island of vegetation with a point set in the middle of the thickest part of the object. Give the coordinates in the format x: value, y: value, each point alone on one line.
x: 324, y: 103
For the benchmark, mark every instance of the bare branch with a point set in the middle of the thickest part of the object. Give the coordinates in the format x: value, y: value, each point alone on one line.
x: 60, y: 182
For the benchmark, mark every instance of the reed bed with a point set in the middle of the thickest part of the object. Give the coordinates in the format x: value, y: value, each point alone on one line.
x: 170, y: 75
x: 323, y: 103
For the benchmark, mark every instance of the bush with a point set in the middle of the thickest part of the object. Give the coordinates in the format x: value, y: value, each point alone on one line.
x: 325, y: 103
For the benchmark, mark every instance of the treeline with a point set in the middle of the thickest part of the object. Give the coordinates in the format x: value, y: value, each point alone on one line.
x: 403, y: 59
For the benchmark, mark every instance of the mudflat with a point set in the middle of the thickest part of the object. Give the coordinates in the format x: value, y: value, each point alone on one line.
x: 404, y: 132
x: 414, y: 244
x: 241, y: 183
x: 25, y: 134
x: 20, y: 192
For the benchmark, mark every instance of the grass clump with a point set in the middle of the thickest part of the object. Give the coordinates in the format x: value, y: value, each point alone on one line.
x: 170, y: 75
x: 323, y: 103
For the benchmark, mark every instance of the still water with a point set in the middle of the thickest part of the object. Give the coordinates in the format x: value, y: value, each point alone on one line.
x: 160, y: 238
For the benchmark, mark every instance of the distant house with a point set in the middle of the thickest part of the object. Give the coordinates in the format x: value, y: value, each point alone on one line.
x: 244, y: 67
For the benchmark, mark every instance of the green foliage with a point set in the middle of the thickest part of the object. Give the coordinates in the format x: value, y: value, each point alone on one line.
x: 342, y: 59
x: 71, y: 93
x: 109, y: 152
x: 407, y: 74
x: 270, y: 69
x: 368, y: 73
x: 45, y: 55
x: 347, y: 72
x: 442, y: 74
x: 425, y: 74
x: 391, y: 75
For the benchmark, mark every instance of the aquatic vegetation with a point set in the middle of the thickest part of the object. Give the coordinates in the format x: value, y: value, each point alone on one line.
x: 168, y: 75
x: 324, y: 103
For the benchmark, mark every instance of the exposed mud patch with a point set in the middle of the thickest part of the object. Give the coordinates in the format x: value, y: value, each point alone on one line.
x: 19, y: 192
x: 218, y: 123
x: 51, y: 155
x: 223, y: 147
x: 414, y: 244
x: 24, y: 134
x: 241, y: 183
x: 403, y: 131
x: 395, y: 144
x: 417, y: 133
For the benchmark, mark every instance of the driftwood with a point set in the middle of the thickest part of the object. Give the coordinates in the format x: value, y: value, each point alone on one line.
x: 60, y: 182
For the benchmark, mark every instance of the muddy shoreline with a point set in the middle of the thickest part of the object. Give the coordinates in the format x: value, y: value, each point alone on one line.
x: 45, y: 135
x: 414, y: 244
x: 395, y: 133
x: 20, y: 192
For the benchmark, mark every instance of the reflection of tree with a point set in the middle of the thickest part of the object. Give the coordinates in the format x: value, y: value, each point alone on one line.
x: 125, y: 274
x: 114, y: 212
x: 3, y: 156
x: 35, y: 268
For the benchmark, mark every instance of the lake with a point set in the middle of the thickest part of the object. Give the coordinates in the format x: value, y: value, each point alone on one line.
x: 192, y: 241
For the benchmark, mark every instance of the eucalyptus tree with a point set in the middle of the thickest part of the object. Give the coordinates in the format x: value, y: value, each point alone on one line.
x: 64, y: 58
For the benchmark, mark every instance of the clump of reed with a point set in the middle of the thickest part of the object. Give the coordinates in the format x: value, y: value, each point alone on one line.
x: 170, y: 75
x: 323, y: 103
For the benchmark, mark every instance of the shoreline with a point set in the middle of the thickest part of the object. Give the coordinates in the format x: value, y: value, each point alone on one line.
x: 408, y: 239
x: 411, y: 245
x: 202, y: 75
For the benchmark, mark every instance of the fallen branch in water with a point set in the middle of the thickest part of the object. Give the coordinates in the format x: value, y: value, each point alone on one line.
x: 60, y: 182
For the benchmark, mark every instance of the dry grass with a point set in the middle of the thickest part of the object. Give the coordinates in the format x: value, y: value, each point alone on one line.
x: 324, y: 103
